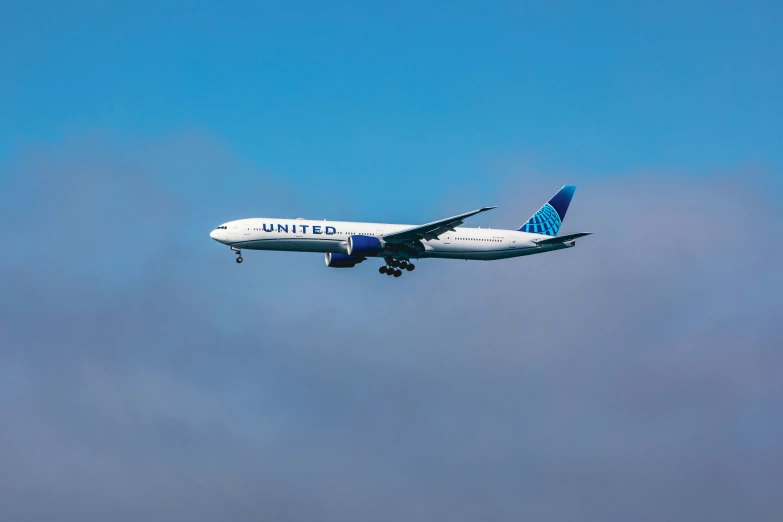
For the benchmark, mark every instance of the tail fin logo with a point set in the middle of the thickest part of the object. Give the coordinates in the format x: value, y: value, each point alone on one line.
x: 545, y: 221
x: 548, y: 220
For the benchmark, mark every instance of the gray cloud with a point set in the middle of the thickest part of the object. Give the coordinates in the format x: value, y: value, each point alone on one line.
x: 636, y: 376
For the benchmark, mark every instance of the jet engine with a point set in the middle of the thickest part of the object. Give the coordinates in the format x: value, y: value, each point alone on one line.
x: 364, y: 246
x: 334, y: 260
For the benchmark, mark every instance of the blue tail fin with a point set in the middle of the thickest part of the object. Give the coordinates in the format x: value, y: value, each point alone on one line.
x: 550, y: 217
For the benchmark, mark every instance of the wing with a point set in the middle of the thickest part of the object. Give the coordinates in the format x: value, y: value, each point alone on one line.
x: 430, y: 230
x: 561, y: 239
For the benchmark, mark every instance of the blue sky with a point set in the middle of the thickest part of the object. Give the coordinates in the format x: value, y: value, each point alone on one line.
x: 633, y: 377
x: 367, y: 94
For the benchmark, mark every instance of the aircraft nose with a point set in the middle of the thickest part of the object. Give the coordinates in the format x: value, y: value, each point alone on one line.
x: 214, y: 234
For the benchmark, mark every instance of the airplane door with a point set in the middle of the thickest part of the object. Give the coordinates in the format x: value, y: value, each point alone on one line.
x: 447, y: 239
x: 378, y: 233
x: 246, y: 230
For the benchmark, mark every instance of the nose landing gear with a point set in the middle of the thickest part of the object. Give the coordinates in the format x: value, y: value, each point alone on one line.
x: 238, y: 253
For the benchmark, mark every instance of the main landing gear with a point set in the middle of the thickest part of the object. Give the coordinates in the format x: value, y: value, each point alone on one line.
x: 238, y: 253
x: 395, y: 267
x: 389, y: 270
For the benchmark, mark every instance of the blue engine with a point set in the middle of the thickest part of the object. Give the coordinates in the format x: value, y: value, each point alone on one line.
x: 342, y: 261
x: 364, y: 246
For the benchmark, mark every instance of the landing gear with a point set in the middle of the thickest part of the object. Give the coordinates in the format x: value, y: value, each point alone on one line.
x: 407, y: 265
x: 239, y: 259
x: 395, y: 267
x: 238, y: 253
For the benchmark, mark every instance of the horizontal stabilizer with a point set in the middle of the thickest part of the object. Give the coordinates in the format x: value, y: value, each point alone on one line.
x: 561, y: 239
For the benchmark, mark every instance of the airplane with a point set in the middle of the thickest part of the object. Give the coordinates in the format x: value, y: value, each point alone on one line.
x: 346, y: 244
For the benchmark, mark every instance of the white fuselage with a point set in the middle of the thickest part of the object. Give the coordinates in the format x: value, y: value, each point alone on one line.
x: 302, y: 235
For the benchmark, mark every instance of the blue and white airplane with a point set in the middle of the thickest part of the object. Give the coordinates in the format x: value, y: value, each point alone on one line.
x: 347, y: 244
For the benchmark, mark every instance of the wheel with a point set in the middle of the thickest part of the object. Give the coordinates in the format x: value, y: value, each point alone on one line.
x: 397, y: 273
x: 409, y: 267
x: 239, y: 259
x: 382, y: 270
x: 394, y: 263
x: 390, y: 271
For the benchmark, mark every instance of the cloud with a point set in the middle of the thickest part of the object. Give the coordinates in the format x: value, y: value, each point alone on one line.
x: 144, y: 375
